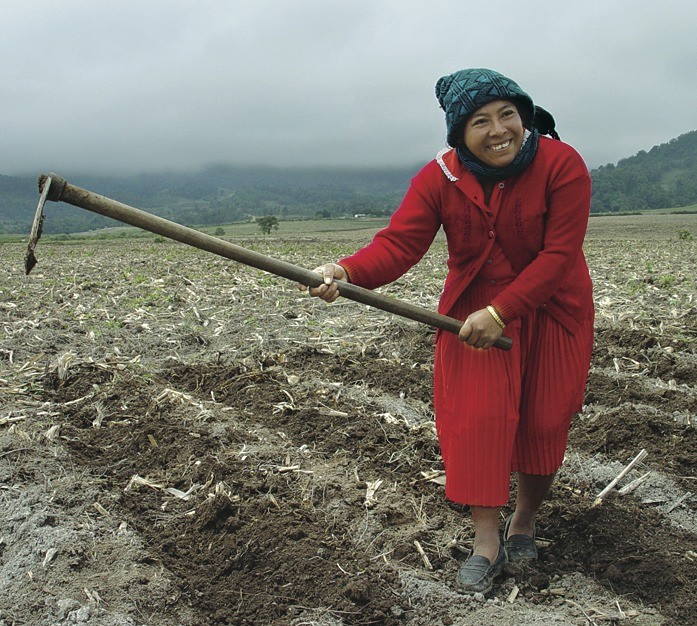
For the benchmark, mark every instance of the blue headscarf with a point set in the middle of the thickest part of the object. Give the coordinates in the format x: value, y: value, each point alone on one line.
x: 462, y: 93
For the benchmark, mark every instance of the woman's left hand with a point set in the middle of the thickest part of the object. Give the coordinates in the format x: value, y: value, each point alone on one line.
x: 480, y: 330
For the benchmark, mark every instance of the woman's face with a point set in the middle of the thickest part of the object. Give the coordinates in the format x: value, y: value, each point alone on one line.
x: 494, y: 133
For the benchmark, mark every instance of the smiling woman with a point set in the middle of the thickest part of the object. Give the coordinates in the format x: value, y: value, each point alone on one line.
x: 514, y: 207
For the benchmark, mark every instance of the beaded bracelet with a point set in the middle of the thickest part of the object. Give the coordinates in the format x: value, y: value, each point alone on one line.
x: 496, y: 316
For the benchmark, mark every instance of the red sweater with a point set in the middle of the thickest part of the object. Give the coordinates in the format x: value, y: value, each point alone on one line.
x: 538, y: 217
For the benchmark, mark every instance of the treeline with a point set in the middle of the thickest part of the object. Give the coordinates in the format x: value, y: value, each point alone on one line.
x: 663, y: 177
x: 215, y: 195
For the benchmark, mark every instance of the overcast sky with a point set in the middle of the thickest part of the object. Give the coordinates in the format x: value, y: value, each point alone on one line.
x: 124, y: 86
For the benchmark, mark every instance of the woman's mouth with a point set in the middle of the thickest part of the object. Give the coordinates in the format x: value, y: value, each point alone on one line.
x: 500, y: 146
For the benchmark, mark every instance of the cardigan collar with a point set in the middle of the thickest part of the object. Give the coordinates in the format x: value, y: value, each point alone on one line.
x: 450, y: 164
x: 464, y: 180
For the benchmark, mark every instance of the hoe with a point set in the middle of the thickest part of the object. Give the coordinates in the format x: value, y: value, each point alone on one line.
x: 53, y: 187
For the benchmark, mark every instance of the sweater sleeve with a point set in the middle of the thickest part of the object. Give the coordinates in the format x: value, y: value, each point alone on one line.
x: 399, y: 246
x: 564, y: 231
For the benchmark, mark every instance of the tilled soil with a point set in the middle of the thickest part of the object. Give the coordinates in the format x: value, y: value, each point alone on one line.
x: 185, y: 442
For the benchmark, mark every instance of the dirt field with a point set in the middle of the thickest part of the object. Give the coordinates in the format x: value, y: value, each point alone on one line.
x: 185, y: 441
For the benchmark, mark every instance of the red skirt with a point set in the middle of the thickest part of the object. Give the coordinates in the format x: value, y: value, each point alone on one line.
x: 499, y: 412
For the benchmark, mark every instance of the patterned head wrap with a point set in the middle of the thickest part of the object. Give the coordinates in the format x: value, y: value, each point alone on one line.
x: 462, y: 93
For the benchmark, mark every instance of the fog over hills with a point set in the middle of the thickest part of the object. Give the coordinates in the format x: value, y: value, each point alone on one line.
x: 663, y: 177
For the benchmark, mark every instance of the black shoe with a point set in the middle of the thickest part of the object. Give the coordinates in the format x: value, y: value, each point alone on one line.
x: 477, y: 573
x: 519, y: 547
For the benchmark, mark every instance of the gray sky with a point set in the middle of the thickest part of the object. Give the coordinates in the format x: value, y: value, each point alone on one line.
x: 124, y: 86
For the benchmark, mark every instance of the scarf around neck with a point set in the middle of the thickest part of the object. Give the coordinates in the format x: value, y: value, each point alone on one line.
x: 485, y: 172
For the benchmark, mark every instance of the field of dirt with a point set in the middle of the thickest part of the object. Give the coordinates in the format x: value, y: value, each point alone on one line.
x: 186, y: 441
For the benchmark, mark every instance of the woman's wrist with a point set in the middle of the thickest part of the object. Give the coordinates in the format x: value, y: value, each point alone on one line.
x: 346, y: 273
x: 495, y: 314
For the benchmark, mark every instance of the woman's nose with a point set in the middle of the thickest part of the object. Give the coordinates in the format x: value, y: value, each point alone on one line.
x: 496, y: 127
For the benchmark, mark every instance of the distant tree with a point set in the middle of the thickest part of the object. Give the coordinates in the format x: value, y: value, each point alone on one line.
x: 324, y: 214
x: 219, y: 232
x: 267, y: 224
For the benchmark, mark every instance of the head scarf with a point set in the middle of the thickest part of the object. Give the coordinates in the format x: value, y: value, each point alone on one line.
x: 462, y: 93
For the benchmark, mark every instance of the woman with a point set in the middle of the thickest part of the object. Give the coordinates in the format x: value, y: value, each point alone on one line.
x: 514, y: 206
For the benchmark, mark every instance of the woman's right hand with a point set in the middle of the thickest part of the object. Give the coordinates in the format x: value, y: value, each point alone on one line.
x: 480, y: 330
x: 328, y: 291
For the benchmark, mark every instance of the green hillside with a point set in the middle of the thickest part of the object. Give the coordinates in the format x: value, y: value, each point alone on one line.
x: 665, y: 176
x: 215, y: 195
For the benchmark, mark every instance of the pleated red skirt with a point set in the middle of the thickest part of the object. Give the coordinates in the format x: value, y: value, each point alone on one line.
x: 499, y: 412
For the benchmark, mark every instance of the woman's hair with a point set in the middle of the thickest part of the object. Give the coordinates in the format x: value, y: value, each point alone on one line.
x: 543, y: 121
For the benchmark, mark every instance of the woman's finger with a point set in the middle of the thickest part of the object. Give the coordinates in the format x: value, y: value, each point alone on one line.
x: 328, y: 272
x: 328, y: 290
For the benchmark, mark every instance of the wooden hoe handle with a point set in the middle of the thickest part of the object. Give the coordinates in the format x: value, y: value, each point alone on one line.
x: 62, y: 191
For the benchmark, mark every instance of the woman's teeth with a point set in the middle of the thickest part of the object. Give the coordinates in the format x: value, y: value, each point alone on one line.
x: 501, y: 146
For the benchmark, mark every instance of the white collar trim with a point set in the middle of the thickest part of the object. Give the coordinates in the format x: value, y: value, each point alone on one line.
x: 439, y: 158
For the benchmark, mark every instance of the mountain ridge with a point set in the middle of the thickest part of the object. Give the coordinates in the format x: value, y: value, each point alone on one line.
x: 663, y: 177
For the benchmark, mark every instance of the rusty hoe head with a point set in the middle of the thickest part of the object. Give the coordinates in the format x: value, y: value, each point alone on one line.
x: 51, y: 188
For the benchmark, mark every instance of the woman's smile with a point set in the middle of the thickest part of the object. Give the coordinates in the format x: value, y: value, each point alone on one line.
x: 500, y: 146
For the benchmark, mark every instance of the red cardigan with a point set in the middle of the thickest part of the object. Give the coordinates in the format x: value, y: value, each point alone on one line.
x: 539, y: 218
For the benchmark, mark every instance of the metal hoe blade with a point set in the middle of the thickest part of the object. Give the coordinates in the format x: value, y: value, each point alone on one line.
x: 30, y: 259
